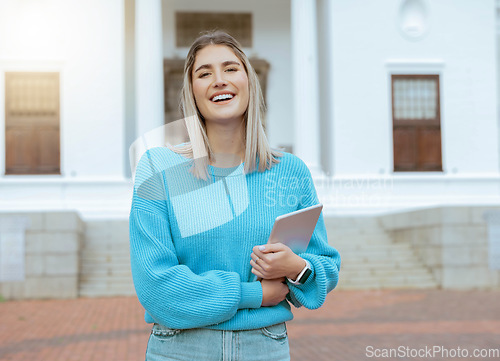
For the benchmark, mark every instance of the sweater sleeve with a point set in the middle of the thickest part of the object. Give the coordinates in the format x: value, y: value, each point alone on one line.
x: 324, y: 259
x: 170, y: 292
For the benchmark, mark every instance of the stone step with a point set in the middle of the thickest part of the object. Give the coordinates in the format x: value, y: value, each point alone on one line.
x: 107, y: 290
x: 385, y: 256
x: 349, y: 223
x: 390, y: 280
x: 375, y: 264
x: 370, y: 258
x: 384, y: 273
x: 359, y: 240
x: 105, y: 258
x: 92, y: 267
x: 111, y: 261
x: 356, y: 232
x: 89, y: 266
x: 394, y: 276
x: 104, y: 283
x: 368, y: 248
x: 97, y: 279
x: 120, y: 248
x: 105, y: 272
x: 389, y: 284
x: 374, y: 231
x: 394, y: 285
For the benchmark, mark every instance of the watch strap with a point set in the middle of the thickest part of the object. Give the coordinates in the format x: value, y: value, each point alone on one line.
x: 303, y: 275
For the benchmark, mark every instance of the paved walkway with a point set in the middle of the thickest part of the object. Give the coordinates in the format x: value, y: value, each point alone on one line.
x: 352, y: 325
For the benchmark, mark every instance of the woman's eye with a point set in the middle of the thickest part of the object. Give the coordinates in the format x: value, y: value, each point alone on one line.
x: 232, y: 69
x: 202, y: 75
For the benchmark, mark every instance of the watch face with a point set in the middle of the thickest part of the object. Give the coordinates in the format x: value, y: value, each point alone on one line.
x: 305, y: 276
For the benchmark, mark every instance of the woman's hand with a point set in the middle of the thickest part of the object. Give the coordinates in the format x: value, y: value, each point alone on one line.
x: 276, y: 261
x: 273, y: 291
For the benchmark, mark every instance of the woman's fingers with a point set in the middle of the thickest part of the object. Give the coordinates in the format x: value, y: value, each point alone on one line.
x: 257, y: 273
x: 256, y: 254
x: 271, y: 262
x: 260, y: 259
x: 273, y: 292
x: 257, y: 264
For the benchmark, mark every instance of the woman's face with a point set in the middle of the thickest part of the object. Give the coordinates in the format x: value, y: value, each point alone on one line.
x: 220, y: 84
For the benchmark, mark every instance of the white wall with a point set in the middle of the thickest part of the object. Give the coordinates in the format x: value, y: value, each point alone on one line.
x: 84, y: 40
x: 271, y: 41
x: 460, y: 43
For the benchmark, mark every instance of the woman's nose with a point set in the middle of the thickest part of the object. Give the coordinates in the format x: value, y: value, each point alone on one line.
x: 219, y: 80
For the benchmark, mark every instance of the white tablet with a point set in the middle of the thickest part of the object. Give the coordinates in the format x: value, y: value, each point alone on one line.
x: 296, y: 228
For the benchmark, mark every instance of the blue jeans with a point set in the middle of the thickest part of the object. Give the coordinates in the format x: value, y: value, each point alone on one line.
x: 263, y: 344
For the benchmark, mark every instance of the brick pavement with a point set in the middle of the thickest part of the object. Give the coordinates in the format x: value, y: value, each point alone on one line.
x: 112, y: 329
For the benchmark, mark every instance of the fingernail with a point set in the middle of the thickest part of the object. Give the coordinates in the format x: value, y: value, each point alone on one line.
x: 262, y: 248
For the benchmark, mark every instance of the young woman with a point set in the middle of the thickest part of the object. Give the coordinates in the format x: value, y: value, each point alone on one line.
x: 201, y: 216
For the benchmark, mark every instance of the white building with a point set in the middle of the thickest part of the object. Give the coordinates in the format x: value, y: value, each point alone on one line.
x: 393, y: 104
x: 333, y: 60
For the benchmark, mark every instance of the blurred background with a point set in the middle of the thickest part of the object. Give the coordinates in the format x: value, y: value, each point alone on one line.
x: 392, y: 104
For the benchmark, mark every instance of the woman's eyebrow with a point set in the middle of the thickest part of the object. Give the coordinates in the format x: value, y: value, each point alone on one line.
x: 209, y: 66
x: 204, y: 66
x: 230, y: 62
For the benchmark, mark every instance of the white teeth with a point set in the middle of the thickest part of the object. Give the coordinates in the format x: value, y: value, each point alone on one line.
x: 221, y: 97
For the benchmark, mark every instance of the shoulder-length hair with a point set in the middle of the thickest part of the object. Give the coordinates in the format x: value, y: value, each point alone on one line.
x: 257, y: 149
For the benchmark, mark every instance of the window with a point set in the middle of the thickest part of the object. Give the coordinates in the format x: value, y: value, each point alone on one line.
x: 32, y: 123
x: 189, y: 25
x: 416, y: 123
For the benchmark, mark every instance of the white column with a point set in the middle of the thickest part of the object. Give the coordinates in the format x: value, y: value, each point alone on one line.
x: 149, y: 66
x: 305, y: 84
x: 326, y: 81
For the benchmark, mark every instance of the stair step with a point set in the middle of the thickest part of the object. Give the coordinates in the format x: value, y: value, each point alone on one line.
x: 396, y: 273
x: 93, y: 291
x: 105, y: 271
x: 378, y: 286
x: 376, y: 258
x: 374, y: 247
x: 92, y: 259
x: 353, y: 266
x: 105, y: 260
x: 359, y: 233
x: 357, y: 242
x: 370, y: 258
x: 391, y: 277
x: 348, y: 223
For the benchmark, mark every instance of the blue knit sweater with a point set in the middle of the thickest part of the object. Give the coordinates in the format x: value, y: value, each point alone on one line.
x: 191, y: 240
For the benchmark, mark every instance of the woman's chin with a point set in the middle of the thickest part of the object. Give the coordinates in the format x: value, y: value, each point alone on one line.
x: 225, y: 118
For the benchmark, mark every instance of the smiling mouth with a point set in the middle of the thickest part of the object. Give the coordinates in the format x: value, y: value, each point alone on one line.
x: 222, y: 98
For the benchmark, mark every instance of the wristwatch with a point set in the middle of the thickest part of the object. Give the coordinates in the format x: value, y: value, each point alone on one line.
x: 303, y: 275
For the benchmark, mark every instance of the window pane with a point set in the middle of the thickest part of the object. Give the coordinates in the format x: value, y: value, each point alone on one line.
x: 415, y: 98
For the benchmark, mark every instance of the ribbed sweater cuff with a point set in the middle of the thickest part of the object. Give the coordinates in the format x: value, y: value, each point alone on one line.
x: 251, y: 295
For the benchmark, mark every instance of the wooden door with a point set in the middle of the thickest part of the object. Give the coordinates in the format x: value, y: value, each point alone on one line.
x: 32, y: 117
x: 416, y: 123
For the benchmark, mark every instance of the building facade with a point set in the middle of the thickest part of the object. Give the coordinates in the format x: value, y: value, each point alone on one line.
x: 393, y: 105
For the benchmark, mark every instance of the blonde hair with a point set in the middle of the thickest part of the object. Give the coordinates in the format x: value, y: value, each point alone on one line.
x: 256, y: 145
